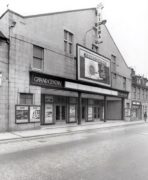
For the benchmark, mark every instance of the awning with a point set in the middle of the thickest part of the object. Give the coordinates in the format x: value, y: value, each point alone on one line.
x: 2, y: 36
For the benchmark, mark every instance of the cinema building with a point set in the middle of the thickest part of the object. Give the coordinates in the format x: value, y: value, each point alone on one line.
x: 62, y: 68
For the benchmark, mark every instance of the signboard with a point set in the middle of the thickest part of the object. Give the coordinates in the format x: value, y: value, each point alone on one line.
x: 48, y: 113
x: 136, y: 103
x: 93, y: 67
x: 21, y: 114
x: 45, y: 80
x: 34, y: 113
x: 90, y: 113
x: 123, y: 94
x: 72, y: 113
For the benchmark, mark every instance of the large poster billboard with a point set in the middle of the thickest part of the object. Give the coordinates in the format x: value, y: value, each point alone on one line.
x: 92, y: 67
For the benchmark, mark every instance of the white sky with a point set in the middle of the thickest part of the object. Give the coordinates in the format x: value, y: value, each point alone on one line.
x: 126, y: 21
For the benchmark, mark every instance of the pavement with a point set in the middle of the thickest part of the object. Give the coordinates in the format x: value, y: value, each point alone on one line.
x: 55, y: 130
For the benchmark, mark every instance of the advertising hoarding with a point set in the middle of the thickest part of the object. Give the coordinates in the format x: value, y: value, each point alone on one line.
x: 21, y: 114
x: 93, y: 67
x: 34, y: 113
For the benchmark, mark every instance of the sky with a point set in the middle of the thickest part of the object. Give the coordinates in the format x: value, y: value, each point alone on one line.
x: 126, y: 21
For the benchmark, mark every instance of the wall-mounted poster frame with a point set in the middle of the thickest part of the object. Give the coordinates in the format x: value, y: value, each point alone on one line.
x: 90, y: 113
x: 72, y: 113
x: 49, y: 108
x: 21, y: 114
x: 34, y: 113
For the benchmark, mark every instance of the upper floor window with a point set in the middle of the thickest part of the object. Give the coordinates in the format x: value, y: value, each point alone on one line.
x: 68, y: 42
x: 95, y: 48
x: 26, y: 98
x: 124, y: 83
x: 38, y: 56
x: 113, y: 59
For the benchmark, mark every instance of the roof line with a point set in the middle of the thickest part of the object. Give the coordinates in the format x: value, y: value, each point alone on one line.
x: 116, y: 46
x: 8, y: 10
x: 59, y: 12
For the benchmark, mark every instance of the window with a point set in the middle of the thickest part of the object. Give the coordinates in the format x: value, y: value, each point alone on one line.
x: 38, y: 57
x: 26, y: 98
x: 138, y: 93
x: 124, y: 83
x: 68, y: 42
x: 134, y: 92
x: 95, y: 48
x: 113, y: 60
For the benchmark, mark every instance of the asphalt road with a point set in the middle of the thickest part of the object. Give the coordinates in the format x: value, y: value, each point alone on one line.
x: 114, y: 154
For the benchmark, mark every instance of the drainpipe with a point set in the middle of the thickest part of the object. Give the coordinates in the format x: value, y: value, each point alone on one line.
x: 12, y: 25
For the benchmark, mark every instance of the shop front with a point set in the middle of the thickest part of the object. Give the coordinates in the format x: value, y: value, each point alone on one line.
x: 136, y: 110
x: 64, y: 101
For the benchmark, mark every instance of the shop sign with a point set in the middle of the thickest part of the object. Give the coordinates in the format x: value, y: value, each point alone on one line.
x: 48, y: 99
x: 93, y: 67
x: 48, y: 113
x: 34, y: 113
x: 90, y: 113
x: 72, y: 113
x: 123, y: 94
x: 21, y: 114
x: 45, y: 80
x: 137, y: 103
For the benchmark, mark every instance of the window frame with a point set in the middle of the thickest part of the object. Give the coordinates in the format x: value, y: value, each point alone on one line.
x: 68, y: 42
x: 26, y: 99
x: 41, y: 59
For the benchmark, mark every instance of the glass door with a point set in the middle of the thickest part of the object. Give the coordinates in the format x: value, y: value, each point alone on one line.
x: 60, y: 113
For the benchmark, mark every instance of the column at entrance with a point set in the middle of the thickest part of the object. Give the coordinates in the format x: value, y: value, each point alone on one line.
x: 79, y: 108
x: 105, y: 108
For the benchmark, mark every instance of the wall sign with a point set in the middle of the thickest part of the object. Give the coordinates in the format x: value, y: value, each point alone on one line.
x: 93, y: 67
x: 21, y: 114
x: 123, y: 94
x: 48, y: 113
x: 34, y: 113
x: 45, y: 80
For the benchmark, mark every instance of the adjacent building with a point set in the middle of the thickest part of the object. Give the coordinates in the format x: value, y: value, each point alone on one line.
x: 60, y: 68
x: 139, y: 96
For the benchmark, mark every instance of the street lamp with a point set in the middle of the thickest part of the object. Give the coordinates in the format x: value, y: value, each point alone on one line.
x: 103, y: 22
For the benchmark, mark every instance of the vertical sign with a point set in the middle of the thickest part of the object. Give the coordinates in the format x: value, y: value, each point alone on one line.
x: 34, y: 113
x: 48, y: 113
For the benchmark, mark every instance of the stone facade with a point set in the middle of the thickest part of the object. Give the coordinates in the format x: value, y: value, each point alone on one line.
x: 47, y: 32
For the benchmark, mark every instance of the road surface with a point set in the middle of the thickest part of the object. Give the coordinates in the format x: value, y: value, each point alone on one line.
x: 112, y: 154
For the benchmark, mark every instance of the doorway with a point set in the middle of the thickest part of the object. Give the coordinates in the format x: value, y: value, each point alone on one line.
x: 60, y: 112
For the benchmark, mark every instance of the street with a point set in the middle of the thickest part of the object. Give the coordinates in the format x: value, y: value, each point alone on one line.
x: 113, y: 154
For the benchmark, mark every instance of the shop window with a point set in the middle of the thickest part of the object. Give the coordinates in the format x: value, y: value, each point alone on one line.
x: 38, y: 54
x: 68, y: 42
x: 26, y: 98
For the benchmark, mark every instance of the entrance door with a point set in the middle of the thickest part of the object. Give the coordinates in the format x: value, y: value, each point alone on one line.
x: 60, y: 113
x: 84, y: 113
x: 96, y: 112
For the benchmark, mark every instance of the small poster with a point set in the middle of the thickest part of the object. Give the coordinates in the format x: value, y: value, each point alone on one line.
x: 34, y: 113
x: 90, y: 113
x: 72, y: 113
x: 48, y: 113
x: 22, y: 114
